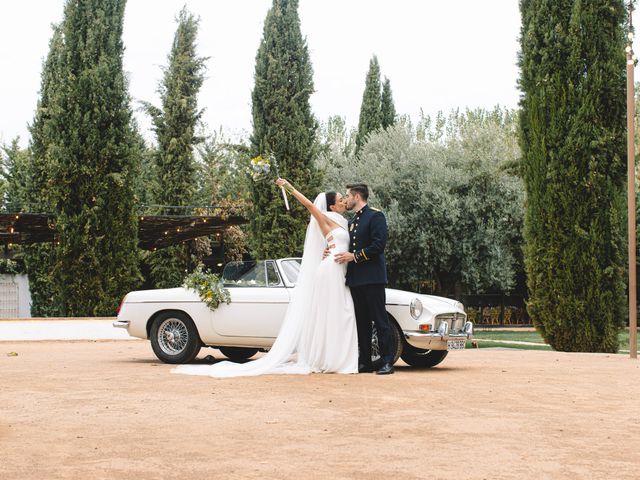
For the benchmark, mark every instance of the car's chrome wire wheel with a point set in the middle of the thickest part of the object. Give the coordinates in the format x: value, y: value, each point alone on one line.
x: 173, y: 336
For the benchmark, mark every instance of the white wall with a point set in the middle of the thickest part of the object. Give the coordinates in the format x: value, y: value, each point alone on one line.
x: 15, y: 297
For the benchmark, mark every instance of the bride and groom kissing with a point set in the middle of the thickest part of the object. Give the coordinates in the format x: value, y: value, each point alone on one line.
x: 339, y: 295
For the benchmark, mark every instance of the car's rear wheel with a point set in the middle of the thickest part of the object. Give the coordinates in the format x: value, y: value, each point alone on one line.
x: 238, y: 354
x: 396, y: 342
x: 417, y: 357
x: 174, y: 337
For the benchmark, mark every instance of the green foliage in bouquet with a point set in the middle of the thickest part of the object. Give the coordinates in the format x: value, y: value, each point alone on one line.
x: 209, y: 287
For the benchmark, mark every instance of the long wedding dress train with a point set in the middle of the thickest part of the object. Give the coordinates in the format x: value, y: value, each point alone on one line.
x: 318, y: 333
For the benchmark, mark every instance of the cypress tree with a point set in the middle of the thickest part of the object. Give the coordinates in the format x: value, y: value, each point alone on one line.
x: 283, y: 125
x: 14, y: 166
x: 388, y: 109
x: 91, y: 154
x: 40, y: 259
x: 371, y: 108
x: 573, y: 144
x: 175, y: 127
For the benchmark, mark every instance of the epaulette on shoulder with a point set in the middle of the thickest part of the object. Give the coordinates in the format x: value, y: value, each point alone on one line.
x: 375, y: 209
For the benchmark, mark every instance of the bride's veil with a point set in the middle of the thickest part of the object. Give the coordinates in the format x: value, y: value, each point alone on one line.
x: 281, y: 358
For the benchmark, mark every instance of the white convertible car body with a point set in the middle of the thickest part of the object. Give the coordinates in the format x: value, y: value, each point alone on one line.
x: 426, y: 326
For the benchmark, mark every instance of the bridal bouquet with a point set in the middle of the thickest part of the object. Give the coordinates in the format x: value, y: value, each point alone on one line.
x: 265, y: 168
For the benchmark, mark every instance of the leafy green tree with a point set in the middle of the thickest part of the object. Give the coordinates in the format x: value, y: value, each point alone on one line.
x: 175, y: 126
x: 220, y: 175
x: 388, y: 109
x: 371, y: 108
x: 573, y: 146
x: 455, y: 221
x: 337, y: 148
x: 283, y: 125
x: 223, y: 182
x: 90, y: 156
x: 14, y: 173
x: 13, y: 178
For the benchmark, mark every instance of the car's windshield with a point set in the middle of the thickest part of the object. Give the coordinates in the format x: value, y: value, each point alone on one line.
x: 251, y: 274
x: 291, y: 269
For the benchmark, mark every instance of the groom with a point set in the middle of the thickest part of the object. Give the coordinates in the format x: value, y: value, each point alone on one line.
x: 367, y: 276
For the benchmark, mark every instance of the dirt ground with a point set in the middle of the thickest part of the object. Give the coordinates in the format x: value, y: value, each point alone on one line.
x: 109, y: 409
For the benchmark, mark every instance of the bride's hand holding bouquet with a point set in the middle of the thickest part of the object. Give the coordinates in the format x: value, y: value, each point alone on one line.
x: 261, y: 169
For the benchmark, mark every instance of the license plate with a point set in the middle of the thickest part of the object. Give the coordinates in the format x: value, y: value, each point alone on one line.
x: 456, y: 344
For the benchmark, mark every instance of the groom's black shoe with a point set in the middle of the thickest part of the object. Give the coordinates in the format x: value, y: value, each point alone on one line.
x: 386, y: 369
x: 362, y: 368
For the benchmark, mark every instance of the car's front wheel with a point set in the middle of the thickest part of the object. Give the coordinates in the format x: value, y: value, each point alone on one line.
x: 238, y: 354
x: 174, y: 337
x: 417, y: 357
x: 396, y: 344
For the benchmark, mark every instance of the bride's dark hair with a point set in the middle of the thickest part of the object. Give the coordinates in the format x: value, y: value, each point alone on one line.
x: 331, y: 199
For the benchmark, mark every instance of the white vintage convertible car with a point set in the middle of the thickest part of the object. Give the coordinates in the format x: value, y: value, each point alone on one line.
x: 179, y: 324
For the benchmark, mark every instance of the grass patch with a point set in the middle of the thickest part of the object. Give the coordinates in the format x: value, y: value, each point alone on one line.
x: 530, y: 337
x: 517, y: 336
x: 516, y: 346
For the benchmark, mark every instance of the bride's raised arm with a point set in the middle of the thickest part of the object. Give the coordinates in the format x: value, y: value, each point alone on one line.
x: 323, y: 221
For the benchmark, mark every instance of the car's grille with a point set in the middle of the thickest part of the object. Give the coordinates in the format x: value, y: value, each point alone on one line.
x: 455, y: 320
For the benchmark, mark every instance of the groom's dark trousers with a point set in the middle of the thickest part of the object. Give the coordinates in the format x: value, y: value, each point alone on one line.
x: 369, y: 302
x: 367, y: 277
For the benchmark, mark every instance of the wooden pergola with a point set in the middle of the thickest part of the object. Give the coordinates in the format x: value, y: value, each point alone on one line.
x: 154, y: 230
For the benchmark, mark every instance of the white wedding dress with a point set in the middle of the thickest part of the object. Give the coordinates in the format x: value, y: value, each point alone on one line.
x: 318, y: 333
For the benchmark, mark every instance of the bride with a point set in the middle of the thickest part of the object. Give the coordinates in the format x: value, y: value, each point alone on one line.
x: 318, y: 333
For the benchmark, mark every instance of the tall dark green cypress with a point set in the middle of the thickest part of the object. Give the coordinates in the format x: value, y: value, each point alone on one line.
x: 40, y: 259
x: 91, y: 155
x: 388, y: 109
x: 573, y: 145
x: 283, y: 125
x: 370, y: 110
x: 175, y: 126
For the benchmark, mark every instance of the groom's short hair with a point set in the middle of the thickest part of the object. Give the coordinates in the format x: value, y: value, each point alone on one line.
x: 360, y: 188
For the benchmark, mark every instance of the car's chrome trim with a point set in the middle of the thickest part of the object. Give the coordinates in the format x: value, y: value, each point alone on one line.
x: 121, y: 323
x: 416, y: 334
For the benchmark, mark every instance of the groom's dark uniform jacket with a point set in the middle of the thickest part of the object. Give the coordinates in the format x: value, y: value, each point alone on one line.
x: 367, y: 277
x: 368, y: 232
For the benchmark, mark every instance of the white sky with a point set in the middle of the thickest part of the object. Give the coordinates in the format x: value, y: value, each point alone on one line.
x: 438, y: 55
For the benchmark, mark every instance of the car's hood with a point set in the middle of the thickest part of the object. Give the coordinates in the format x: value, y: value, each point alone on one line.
x: 163, y: 295
x: 430, y: 302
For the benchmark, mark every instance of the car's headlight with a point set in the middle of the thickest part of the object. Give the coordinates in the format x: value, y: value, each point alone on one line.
x: 415, y: 308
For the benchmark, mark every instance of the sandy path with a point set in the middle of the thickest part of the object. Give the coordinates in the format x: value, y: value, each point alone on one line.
x: 109, y: 410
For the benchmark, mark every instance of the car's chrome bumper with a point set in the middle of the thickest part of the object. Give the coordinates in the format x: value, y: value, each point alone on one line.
x: 121, y: 324
x: 437, y: 340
